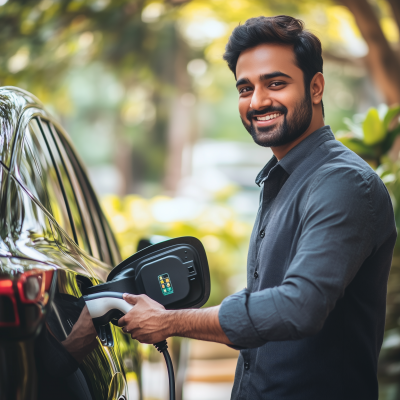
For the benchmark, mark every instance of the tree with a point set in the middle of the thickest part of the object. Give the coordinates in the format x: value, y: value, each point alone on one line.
x: 382, y: 60
x: 41, y: 42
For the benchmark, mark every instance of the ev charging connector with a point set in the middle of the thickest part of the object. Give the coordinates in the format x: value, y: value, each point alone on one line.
x: 174, y: 273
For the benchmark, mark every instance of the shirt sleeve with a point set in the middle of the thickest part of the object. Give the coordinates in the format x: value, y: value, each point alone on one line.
x: 339, y: 230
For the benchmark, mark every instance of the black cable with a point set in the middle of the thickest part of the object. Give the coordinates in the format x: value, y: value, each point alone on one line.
x: 162, y: 347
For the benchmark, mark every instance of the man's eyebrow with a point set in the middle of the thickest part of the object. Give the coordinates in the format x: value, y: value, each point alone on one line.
x: 264, y: 77
x: 242, y: 81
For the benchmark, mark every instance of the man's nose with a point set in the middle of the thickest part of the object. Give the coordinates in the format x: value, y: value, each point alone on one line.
x: 260, y: 100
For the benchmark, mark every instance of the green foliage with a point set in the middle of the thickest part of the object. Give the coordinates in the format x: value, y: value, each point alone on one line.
x: 374, y: 131
x: 102, y: 69
x: 372, y: 135
x: 389, y: 172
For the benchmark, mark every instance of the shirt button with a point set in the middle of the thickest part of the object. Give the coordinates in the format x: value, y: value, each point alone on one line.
x: 262, y: 233
x: 256, y: 274
x: 246, y: 366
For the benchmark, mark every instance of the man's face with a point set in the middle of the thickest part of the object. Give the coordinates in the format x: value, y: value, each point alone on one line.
x: 274, y: 106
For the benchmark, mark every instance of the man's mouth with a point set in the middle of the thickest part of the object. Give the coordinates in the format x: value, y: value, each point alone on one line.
x: 267, y: 119
x: 269, y: 116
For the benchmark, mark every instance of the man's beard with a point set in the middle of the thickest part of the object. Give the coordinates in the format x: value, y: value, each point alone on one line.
x: 285, y: 132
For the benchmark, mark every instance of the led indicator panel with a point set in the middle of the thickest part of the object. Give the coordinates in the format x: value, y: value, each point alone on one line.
x: 165, y: 284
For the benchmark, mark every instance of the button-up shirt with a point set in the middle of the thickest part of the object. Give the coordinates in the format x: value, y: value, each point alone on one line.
x: 310, y: 322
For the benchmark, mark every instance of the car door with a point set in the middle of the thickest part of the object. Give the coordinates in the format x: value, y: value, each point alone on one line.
x: 98, y: 375
x: 129, y: 351
x: 99, y: 248
x: 90, y: 235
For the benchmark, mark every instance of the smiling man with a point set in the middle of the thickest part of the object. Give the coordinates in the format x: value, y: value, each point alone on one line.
x: 310, y: 323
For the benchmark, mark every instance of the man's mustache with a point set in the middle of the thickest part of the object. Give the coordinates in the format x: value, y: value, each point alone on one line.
x: 253, y: 113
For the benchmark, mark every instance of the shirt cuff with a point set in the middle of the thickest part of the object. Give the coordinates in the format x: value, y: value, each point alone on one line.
x: 236, y: 323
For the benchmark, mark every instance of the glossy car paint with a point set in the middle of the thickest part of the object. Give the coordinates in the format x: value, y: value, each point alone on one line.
x: 50, y: 220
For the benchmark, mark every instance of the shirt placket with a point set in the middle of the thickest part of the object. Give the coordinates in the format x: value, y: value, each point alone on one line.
x: 248, y: 364
x: 271, y: 187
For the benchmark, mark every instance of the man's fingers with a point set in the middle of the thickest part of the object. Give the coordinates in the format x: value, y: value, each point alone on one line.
x: 121, y: 321
x: 130, y: 298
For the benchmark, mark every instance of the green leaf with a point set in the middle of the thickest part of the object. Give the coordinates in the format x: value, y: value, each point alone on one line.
x: 392, y: 112
x: 374, y: 131
x: 357, y: 145
x: 389, y: 140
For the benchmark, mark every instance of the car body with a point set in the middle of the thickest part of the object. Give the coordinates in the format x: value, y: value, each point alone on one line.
x: 54, y: 242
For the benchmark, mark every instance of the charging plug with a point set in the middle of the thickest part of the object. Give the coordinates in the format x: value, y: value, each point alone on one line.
x: 106, y: 307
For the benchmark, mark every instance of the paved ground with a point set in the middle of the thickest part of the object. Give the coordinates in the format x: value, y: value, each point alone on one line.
x: 192, y: 390
x: 207, y: 391
x: 209, y: 375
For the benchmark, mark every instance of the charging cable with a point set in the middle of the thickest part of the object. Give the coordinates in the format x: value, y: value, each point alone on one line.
x: 162, y: 347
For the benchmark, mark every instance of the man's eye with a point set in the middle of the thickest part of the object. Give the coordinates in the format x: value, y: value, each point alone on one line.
x: 244, y: 89
x: 276, y: 84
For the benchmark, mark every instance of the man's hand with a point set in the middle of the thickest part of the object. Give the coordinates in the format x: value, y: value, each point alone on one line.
x: 146, y: 321
x: 150, y: 322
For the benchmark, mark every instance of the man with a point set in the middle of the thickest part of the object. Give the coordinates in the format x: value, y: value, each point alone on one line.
x: 310, y: 323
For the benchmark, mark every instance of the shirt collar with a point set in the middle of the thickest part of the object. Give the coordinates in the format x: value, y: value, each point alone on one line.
x: 296, y: 155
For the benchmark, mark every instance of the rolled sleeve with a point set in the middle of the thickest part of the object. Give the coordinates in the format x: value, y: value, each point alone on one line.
x: 236, y: 323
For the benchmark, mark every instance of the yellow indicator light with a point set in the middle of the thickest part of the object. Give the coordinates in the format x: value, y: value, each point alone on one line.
x: 162, y: 281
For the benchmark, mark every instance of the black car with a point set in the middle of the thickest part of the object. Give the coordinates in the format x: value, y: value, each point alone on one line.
x: 54, y: 243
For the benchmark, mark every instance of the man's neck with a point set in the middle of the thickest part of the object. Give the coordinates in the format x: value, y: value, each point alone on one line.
x: 281, y: 151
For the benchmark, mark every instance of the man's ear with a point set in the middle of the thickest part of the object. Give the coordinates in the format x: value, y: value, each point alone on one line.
x: 317, y: 88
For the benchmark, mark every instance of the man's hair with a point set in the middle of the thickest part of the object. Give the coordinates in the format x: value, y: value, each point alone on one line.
x: 280, y: 29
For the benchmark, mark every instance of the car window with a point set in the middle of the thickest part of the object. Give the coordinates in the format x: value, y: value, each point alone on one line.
x: 98, y: 229
x: 74, y: 196
x: 40, y: 176
x: 82, y: 198
x: 29, y: 170
x: 29, y: 224
x: 104, y: 238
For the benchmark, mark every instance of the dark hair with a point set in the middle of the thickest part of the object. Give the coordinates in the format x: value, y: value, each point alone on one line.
x: 280, y: 29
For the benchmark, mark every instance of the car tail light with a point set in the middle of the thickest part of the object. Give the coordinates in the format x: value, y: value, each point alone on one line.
x: 8, y: 305
x: 34, y: 285
x: 31, y: 286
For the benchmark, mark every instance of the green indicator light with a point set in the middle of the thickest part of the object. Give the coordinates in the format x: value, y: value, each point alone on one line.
x: 165, y: 284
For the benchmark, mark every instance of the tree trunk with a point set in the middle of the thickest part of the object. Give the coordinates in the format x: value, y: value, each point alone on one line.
x: 395, y: 4
x: 180, y: 122
x: 382, y: 61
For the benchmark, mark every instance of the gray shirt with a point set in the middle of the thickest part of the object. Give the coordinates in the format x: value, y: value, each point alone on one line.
x: 310, y: 322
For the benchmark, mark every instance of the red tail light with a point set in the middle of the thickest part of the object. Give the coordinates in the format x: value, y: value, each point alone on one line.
x: 32, y: 287
x: 8, y: 305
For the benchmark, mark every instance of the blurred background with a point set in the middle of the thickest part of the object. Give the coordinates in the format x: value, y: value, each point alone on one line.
x: 151, y: 107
